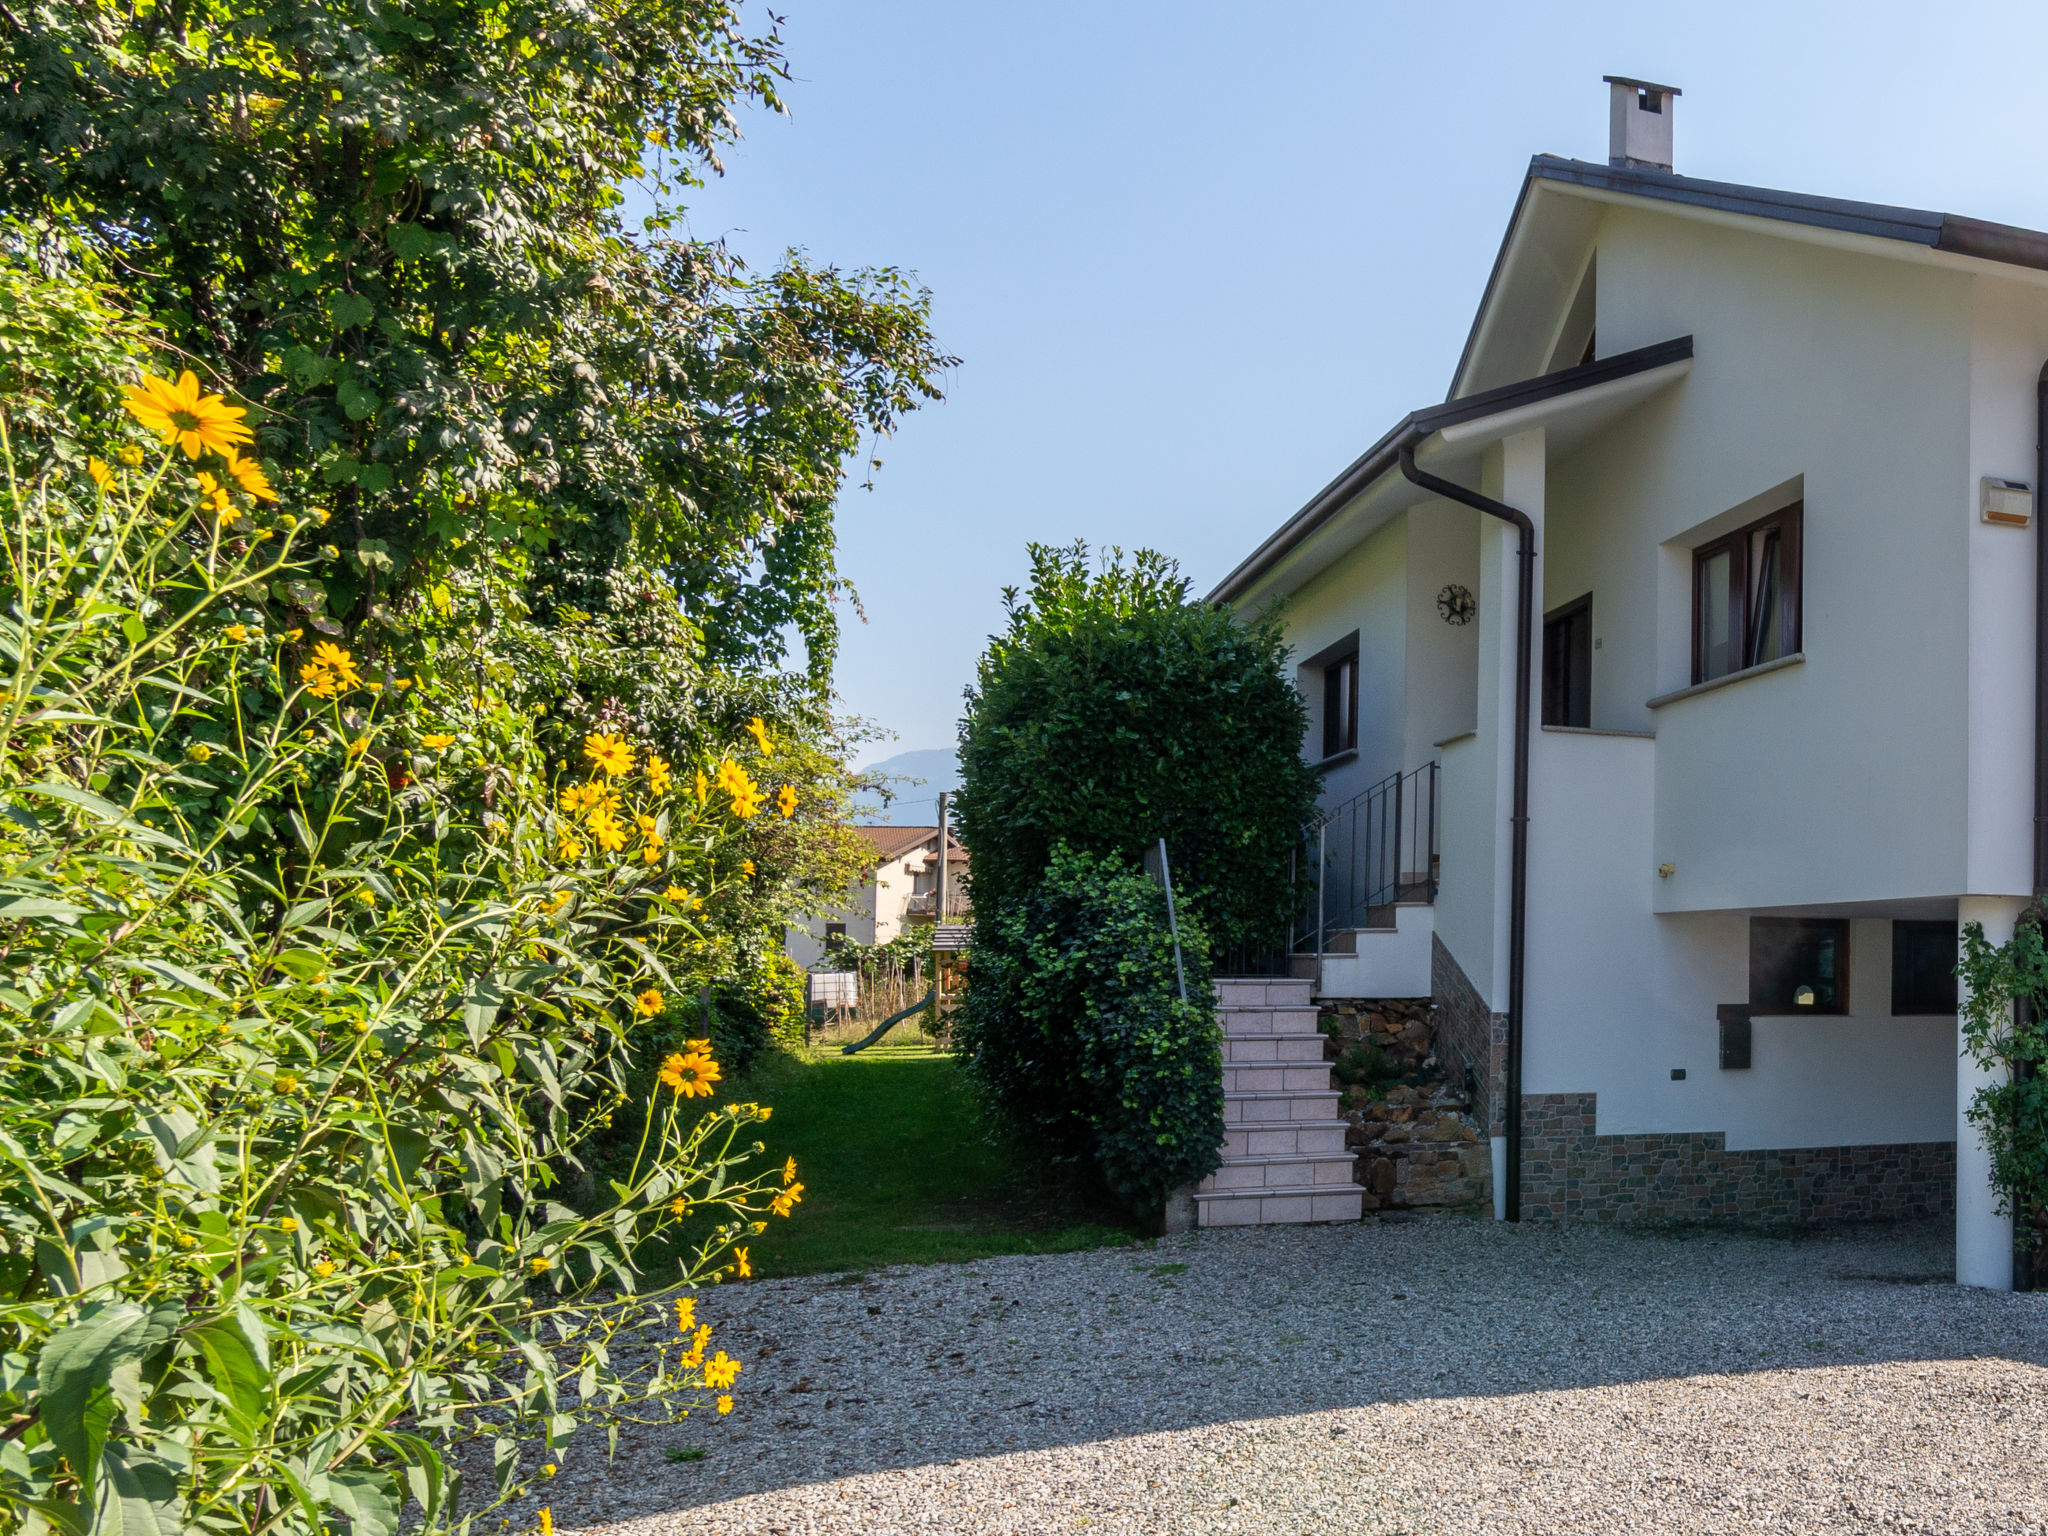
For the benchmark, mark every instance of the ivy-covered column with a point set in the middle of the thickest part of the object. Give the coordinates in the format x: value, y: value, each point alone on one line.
x: 1983, y: 1234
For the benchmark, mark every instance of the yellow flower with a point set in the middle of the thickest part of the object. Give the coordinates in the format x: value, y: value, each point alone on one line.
x: 131, y: 456
x: 215, y: 495
x: 547, y: 1521
x: 437, y: 741
x: 288, y: 1224
x: 605, y: 827
x: 787, y: 1201
x: 323, y: 1269
x: 694, y: 1355
x: 679, y: 1207
x: 567, y: 848
x: 743, y: 1269
x: 724, y: 1404
x: 199, y: 752
x: 648, y: 1003
x: 609, y: 751
x: 238, y: 633
x: 249, y: 476
x: 548, y: 1470
x: 720, y: 1371
x: 331, y: 672
x: 657, y: 774
x: 358, y: 747
x: 99, y: 472
x: 759, y: 732
x: 576, y: 796
x: 284, y: 1082
x: 785, y: 801
x: 178, y: 413
x: 227, y: 517
x: 686, y: 1313
x: 401, y: 683
x: 703, y: 787
x: 556, y: 902
x: 540, y: 1264
x: 367, y: 896
x: 744, y: 795
x: 294, y: 634
x: 789, y: 1172
x: 764, y: 1110
x: 746, y: 866
x: 691, y: 1073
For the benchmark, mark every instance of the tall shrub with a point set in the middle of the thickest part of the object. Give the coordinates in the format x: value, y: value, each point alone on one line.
x: 296, y: 1042
x: 1114, y: 711
x: 1074, y: 1020
x: 2012, y: 1111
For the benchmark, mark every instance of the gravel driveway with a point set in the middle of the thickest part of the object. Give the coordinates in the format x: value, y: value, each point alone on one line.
x: 1443, y: 1374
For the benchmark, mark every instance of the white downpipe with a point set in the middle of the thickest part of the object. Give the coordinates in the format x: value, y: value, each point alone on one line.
x: 1983, y: 1236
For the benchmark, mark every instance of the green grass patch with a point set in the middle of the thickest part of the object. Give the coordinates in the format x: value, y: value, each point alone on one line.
x: 900, y: 1167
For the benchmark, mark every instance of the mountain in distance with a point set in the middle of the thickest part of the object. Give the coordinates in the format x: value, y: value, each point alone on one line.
x: 916, y: 804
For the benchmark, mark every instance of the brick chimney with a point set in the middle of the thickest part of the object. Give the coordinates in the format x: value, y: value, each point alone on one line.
x: 1639, y: 123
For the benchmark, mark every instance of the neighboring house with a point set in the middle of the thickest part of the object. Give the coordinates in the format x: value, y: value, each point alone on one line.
x: 1774, y: 452
x: 899, y: 890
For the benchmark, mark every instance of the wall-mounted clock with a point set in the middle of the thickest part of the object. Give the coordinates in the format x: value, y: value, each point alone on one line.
x: 1456, y: 605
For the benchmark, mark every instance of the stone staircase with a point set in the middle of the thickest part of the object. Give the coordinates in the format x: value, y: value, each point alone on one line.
x: 1284, y: 1158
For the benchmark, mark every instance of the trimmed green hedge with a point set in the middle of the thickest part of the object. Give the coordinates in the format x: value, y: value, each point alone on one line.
x: 1074, y: 1023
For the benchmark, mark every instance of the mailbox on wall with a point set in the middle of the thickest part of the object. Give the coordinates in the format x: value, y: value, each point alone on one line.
x: 1735, y: 1033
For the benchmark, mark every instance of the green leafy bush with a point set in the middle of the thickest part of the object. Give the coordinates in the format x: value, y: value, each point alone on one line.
x: 296, y: 1044
x: 1114, y: 711
x: 2013, y: 1110
x: 1074, y: 1023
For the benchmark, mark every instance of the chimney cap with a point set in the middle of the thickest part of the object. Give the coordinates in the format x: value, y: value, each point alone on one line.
x: 1642, y: 85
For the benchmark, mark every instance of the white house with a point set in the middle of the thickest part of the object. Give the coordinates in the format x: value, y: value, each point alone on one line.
x: 898, y: 890
x: 1772, y: 454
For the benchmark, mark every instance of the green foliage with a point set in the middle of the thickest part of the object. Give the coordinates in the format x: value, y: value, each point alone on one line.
x: 2012, y: 1111
x: 296, y: 1040
x: 396, y: 230
x: 1074, y: 1023
x: 1113, y: 712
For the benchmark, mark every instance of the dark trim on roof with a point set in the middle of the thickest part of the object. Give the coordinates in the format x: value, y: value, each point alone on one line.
x: 1417, y: 425
x: 2005, y: 243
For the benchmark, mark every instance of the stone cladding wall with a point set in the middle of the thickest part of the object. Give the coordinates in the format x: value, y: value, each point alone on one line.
x: 1416, y: 1140
x: 1471, y: 1039
x: 1570, y: 1173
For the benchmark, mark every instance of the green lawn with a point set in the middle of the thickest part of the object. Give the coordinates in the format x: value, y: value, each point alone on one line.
x: 899, y: 1167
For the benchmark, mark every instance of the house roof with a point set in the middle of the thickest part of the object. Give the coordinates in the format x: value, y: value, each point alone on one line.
x: 1615, y: 381
x: 1950, y: 233
x: 894, y: 842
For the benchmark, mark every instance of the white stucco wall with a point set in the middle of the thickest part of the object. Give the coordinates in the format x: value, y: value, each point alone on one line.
x: 1619, y: 996
x: 1365, y: 589
x: 1443, y: 659
x: 1837, y: 780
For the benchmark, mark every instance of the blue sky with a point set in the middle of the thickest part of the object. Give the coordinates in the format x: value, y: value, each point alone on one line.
x: 1195, y: 256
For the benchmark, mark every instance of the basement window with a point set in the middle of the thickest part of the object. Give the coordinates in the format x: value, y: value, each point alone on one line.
x: 1746, y: 596
x: 1338, y: 665
x: 1924, y: 967
x: 1798, y: 965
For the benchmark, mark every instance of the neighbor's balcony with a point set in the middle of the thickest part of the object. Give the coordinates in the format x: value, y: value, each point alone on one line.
x: 958, y: 904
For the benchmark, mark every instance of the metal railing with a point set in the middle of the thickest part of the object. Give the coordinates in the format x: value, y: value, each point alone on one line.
x: 1370, y: 853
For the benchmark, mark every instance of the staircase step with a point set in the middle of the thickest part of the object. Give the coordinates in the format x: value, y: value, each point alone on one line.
x: 1271, y: 1206
x: 1284, y: 1138
x: 1266, y: 1019
x: 1276, y: 1077
x: 1263, y: 1107
x: 1328, y: 1170
x: 1294, y: 1047
x: 1257, y: 991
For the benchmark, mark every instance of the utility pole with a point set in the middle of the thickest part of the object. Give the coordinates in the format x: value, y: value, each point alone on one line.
x: 945, y: 840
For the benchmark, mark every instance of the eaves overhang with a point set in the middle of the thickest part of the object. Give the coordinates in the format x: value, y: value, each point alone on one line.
x: 1463, y: 424
x: 1950, y: 233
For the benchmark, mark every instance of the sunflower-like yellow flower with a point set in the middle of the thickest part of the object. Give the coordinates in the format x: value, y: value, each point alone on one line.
x: 789, y: 1172
x: 725, y: 1403
x: 540, y: 1264
x: 178, y: 413
x: 288, y: 1224
x: 331, y: 672
x: 657, y: 774
x: 547, y: 1521
x: 238, y: 632
x: 679, y: 1207
x: 358, y: 747
x: 702, y: 787
x: 130, y: 455
x: 214, y: 496
x: 694, y: 1355
x: 785, y: 801
x: 690, y: 1073
x: 101, y: 475
x: 720, y: 1370
x: 323, y: 1269
x: 744, y: 1269
x: 759, y: 732
x: 577, y: 796
x: 744, y: 795
x: 285, y: 1083
x: 568, y: 847
x: 611, y: 752
x: 437, y: 741
x: 746, y: 866
x: 607, y: 829
x: 648, y: 1003
x: 686, y: 1313
x: 787, y: 1201
x: 250, y: 477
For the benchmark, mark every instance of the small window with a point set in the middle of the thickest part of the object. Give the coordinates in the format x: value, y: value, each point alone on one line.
x: 1568, y: 664
x: 1798, y: 965
x: 835, y: 935
x: 1340, y: 705
x: 1746, y: 596
x: 1924, y: 967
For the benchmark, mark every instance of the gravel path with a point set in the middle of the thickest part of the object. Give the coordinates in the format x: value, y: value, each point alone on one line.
x: 1438, y: 1375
